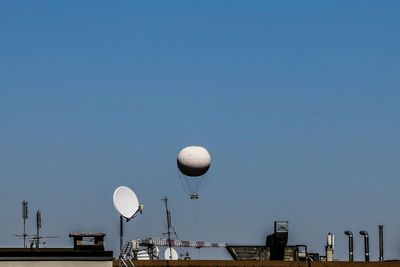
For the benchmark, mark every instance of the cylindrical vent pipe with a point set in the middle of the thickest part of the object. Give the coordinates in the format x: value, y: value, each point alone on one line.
x: 380, y: 242
x: 350, y: 235
x: 366, y: 244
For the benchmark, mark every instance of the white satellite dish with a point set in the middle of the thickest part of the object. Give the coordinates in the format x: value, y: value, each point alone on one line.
x: 170, y: 254
x: 126, y: 202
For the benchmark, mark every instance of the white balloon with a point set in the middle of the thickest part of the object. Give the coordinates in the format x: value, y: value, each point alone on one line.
x: 194, y: 161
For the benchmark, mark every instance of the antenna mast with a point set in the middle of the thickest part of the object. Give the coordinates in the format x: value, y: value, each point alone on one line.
x: 24, y: 217
x: 169, y: 226
x: 38, y: 226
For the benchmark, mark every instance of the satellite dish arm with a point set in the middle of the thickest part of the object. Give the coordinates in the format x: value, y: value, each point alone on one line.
x: 139, y: 210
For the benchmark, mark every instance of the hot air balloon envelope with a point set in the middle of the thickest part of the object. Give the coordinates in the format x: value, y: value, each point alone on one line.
x: 194, y: 161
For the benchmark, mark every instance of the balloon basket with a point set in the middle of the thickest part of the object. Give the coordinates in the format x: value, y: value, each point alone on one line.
x: 194, y: 196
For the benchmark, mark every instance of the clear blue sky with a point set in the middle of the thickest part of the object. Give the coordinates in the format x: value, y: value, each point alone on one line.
x: 297, y: 101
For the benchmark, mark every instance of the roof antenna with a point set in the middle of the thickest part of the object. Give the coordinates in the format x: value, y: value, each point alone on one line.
x: 24, y: 217
x: 38, y: 226
x: 168, y: 213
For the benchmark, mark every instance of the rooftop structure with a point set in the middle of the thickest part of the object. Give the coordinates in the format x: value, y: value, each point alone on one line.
x: 88, y: 250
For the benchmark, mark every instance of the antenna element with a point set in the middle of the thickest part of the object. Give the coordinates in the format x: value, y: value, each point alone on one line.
x: 38, y: 226
x: 24, y: 217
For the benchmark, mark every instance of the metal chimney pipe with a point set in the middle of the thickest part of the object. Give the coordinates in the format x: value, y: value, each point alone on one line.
x: 350, y: 235
x: 366, y: 244
x: 380, y: 242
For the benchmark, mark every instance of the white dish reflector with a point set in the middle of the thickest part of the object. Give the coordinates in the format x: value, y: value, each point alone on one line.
x: 171, y: 254
x: 126, y: 202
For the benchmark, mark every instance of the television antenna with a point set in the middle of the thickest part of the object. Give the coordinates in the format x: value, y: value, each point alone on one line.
x: 169, y: 224
x: 33, y: 239
x: 24, y: 217
x: 38, y: 226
